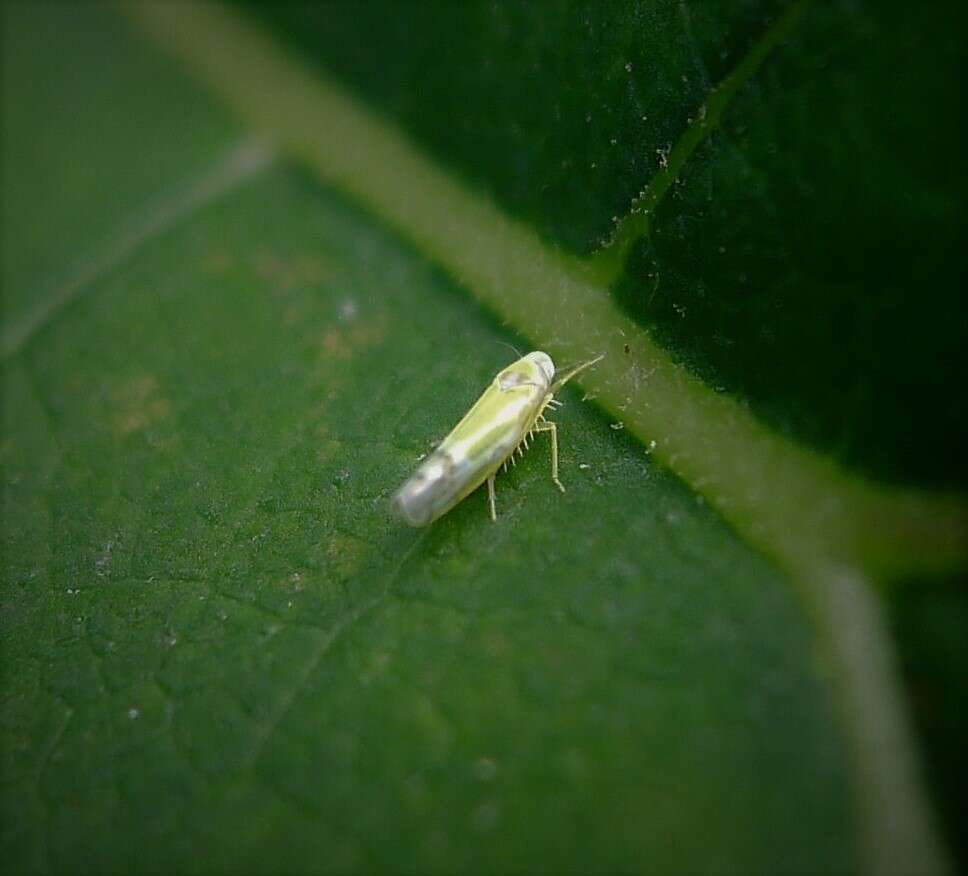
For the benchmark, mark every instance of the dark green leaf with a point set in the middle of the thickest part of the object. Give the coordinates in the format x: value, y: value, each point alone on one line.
x: 806, y: 256
x: 219, y: 652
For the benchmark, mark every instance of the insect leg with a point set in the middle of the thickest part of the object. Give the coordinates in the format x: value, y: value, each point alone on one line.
x: 548, y: 426
x: 491, y: 497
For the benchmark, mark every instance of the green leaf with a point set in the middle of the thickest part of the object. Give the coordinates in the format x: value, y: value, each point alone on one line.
x: 819, y: 192
x: 231, y: 338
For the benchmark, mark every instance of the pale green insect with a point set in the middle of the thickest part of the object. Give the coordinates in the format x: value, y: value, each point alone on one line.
x: 500, y: 423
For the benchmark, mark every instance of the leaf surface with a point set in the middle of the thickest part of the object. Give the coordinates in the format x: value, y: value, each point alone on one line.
x: 219, y: 650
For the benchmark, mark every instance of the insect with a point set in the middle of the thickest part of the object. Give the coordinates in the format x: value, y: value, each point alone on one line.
x: 501, y: 423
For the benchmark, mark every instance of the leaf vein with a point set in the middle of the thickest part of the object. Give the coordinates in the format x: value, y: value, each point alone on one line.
x: 324, y: 645
x: 240, y: 163
x: 607, y: 264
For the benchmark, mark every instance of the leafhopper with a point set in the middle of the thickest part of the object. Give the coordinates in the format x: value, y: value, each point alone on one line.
x: 500, y: 424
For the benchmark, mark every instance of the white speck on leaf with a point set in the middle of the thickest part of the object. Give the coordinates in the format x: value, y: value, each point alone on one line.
x: 485, y: 817
x: 485, y: 769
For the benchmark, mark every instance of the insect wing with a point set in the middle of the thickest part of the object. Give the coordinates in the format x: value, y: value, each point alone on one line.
x: 472, y: 451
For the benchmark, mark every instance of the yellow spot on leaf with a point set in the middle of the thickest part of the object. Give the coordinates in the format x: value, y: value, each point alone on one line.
x: 343, y: 341
x: 138, y: 405
x: 345, y: 554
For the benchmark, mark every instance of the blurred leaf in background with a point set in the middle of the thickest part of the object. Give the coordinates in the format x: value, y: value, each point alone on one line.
x: 257, y: 259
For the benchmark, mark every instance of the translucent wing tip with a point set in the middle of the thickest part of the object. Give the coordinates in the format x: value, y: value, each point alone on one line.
x: 403, y: 508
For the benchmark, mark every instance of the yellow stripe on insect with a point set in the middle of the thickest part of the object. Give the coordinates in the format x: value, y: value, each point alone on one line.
x: 510, y: 412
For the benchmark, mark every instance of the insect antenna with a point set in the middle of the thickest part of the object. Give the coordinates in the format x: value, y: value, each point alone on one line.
x: 511, y: 346
x: 561, y: 381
